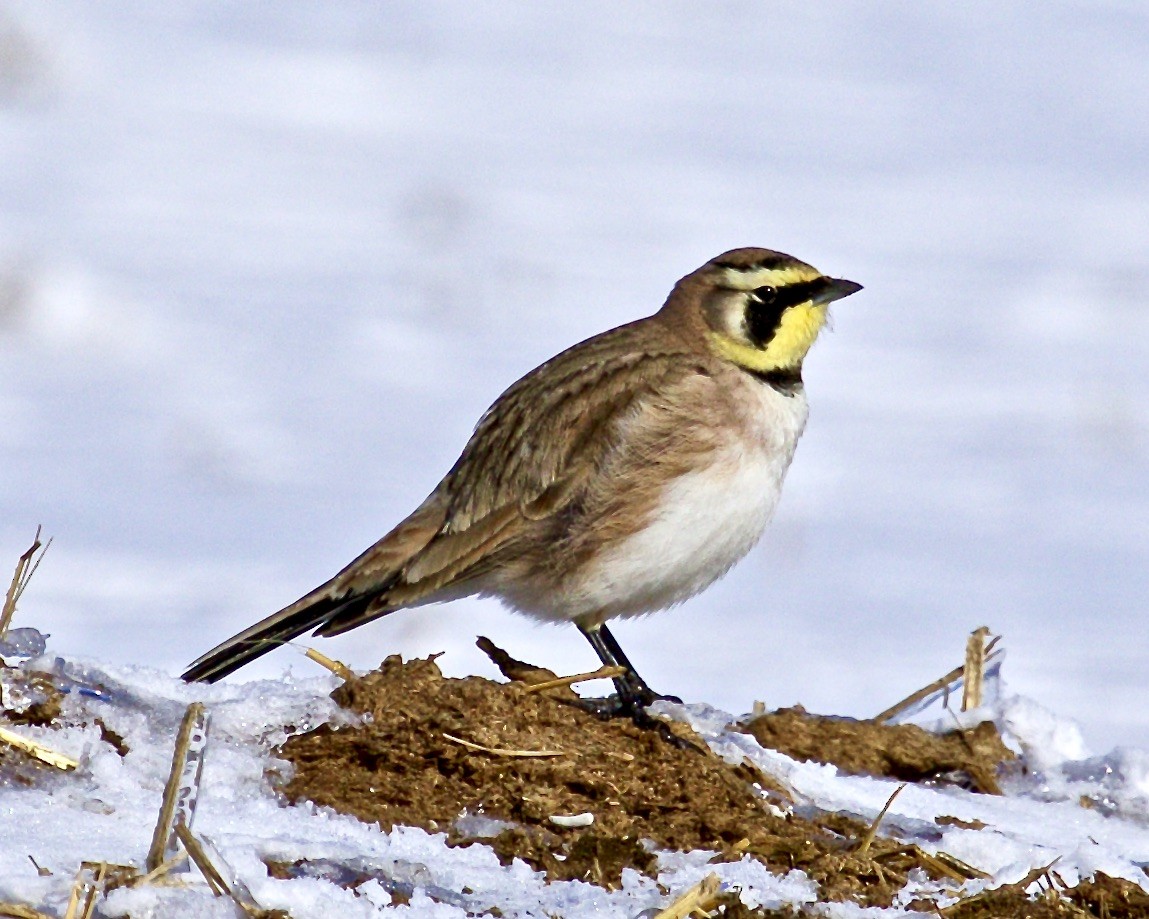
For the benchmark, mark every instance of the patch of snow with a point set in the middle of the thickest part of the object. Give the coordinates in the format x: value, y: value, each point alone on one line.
x: 106, y: 810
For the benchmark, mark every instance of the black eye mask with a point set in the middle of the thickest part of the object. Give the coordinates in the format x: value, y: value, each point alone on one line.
x: 767, y: 304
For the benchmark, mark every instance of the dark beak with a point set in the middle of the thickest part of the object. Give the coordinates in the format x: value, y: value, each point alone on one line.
x: 836, y: 289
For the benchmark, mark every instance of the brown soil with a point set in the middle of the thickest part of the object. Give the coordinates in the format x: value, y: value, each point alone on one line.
x: 1102, y: 897
x: 415, y: 761
x: 30, y: 699
x: 968, y: 758
x: 429, y: 749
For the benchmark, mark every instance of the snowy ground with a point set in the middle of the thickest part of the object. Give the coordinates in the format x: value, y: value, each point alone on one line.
x: 261, y: 268
x: 106, y: 810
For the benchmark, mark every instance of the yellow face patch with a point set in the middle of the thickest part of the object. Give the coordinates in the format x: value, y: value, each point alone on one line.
x: 797, y: 330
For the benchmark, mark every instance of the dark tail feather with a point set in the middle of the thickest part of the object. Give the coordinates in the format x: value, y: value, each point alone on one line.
x: 290, y: 622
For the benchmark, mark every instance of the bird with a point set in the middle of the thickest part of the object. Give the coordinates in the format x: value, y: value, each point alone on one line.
x: 619, y: 478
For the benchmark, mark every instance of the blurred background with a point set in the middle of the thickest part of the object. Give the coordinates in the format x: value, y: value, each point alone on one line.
x: 262, y: 267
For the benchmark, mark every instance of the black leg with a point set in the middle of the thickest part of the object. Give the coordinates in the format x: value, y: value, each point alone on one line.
x: 615, y: 649
x: 633, y: 693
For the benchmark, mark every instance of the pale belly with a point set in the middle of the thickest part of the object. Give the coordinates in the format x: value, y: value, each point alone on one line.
x: 705, y: 523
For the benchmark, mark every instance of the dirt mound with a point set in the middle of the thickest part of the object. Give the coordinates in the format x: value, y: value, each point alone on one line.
x: 524, y: 772
x: 1103, y: 897
x: 969, y: 758
x: 431, y: 749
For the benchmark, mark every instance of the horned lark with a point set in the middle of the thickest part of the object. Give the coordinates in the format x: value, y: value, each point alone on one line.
x: 623, y: 476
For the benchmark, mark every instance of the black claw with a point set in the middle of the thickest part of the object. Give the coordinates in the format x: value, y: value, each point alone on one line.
x: 634, y: 709
x: 632, y: 694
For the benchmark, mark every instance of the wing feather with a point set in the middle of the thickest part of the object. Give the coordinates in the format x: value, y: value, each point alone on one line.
x: 531, y: 456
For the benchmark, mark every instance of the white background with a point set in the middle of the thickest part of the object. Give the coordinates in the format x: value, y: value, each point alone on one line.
x: 262, y: 266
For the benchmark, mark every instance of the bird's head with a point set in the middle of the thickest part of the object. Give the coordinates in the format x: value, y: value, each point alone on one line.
x: 762, y: 309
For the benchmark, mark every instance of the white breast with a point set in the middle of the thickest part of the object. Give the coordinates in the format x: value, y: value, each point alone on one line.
x: 706, y: 521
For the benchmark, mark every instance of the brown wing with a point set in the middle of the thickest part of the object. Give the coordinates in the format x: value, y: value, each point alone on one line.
x: 530, y: 455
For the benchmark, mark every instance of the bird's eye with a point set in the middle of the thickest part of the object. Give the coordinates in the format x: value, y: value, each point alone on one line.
x: 764, y: 311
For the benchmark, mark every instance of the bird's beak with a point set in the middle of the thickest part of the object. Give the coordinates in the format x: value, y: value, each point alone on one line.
x: 836, y: 289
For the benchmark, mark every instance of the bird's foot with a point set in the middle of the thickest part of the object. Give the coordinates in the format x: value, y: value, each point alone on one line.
x: 615, y: 706
x: 633, y: 705
x: 633, y: 694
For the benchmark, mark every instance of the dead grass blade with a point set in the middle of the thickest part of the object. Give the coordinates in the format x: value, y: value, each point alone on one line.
x: 868, y: 839
x: 85, y: 890
x: 1040, y: 874
x: 16, y: 911
x: 497, y: 751
x: 199, y: 858
x: 26, y: 566
x: 339, y: 668
x: 163, y: 870
x: 937, y: 685
x: 212, y: 865
x: 512, y: 668
x: 603, y: 673
x: 1037, y: 874
x: 702, y: 896
x: 965, y: 870
x: 972, y: 688
x: 182, y: 789
x: 41, y: 871
x: 38, y: 750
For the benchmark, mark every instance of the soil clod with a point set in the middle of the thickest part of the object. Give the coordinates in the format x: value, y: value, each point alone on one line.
x: 970, y: 758
x: 1102, y: 897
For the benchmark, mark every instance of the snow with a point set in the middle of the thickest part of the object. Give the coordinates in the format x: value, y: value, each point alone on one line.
x: 107, y: 808
x: 262, y: 268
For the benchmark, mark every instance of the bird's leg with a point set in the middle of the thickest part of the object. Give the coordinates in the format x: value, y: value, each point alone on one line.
x: 631, y: 688
x: 633, y: 693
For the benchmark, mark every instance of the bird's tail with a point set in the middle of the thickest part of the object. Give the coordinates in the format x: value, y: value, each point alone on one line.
x: 357, y: 594
x: 305, y: 614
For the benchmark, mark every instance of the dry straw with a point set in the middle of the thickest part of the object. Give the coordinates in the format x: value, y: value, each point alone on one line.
x: 498, y: 751
x: 25, y: 567
x: 703, y: 897
x: 986, y: 654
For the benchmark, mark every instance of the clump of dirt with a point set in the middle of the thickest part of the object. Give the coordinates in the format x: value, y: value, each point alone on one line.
x: 970, y: 758
x: 1108, y: 896
x: 33, y: 700
x: 29, y: 698
x: 113, y: 739
x: 589, y: 856
x: 1103, y: 897
x: 431, y: 749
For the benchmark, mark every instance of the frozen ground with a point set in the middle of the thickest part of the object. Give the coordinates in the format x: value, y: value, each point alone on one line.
x: 261, y: 268
x: 106, y: 810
